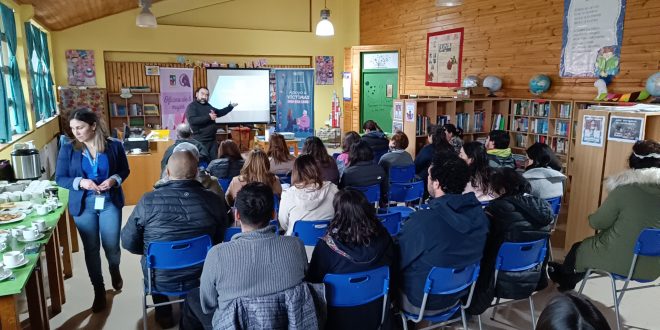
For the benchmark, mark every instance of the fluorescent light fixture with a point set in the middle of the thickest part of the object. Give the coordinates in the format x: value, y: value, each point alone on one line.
x: 146, y: 18
x: 324, y: 28
x: 448, y: 3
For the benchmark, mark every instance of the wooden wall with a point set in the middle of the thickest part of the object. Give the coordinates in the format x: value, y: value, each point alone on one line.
x: 513, y: 39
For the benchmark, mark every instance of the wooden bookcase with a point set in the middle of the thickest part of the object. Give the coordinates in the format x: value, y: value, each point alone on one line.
x: 132, y: 111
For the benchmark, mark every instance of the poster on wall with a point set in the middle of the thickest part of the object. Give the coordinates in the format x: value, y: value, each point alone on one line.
x: 397, y: 115
x: 347, y: 86
x: 175, y: 94
x: 410, y: 112
x: 593, y: 31
x: 295, y: 101
x: 80, y: 67
x: 397, y: 126
x: 593, y: 128
x: 626, y: 129
x: 325, y: 70
x: 444, y: 53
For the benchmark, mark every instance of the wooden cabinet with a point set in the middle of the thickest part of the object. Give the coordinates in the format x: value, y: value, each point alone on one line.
x: 140, y: 110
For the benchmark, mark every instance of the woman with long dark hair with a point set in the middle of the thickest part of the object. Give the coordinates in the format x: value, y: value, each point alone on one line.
x: 375, y: 138
x: 355, y: 241
x: 349, y: 139
x: 92, y: 167
x: 474, y: 154
x: 229, y: 162
x: 314, y: 146
x: 363, y: 172
x: 543, y: 172
x: 454, y: 136
x: 281, y: 161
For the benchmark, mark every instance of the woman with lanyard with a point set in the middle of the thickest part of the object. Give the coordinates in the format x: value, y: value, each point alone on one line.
x: 92, y: 167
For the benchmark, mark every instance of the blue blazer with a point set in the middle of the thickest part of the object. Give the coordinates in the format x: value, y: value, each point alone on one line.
x: 69, y: 167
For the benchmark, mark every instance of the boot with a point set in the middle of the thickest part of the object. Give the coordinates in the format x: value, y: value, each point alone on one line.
x: 99, y: 303
x: 117, y: 282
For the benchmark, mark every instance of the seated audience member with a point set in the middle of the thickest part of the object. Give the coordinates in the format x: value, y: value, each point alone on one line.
x: 375, y: 138
x: 571, y: 312
x: 229, y: 162
x: 398, y: 156
x: 474, y: 154
x: 454, y: 136
x: 437, y: 144
x: 314, y: 146
x: 451, y: 233
x: 256, y: 169
x: 308, y: 198
x: 543, y: 172
x: 177, y: 209
x: 515, y: 216
x: 633, y: 204
x: 363, y: 172
x: 281, y: 161
x: 355, y: 242
x: 499, y: 153
x: 350, y: 138
x: 255, y: 263
x: 184, y: 134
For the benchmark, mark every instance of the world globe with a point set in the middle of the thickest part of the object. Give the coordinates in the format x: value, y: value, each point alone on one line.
x: 493, y: 83
x: 470, y: 81
x: 653, y: 84
x: 539, y: 84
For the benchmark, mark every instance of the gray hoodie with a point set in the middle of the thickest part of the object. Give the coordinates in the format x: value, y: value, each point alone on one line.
x: 546, y: 182
x: 306, y: 204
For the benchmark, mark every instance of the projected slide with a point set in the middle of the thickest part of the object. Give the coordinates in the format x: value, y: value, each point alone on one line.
x: 247, y: 87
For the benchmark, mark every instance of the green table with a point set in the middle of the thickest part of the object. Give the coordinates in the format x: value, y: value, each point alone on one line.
x: 29, y: 277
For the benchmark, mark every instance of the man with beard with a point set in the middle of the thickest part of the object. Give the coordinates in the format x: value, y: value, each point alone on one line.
x: 201, y: 117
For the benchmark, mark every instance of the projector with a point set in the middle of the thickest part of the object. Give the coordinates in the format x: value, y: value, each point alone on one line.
x: 287, y: 135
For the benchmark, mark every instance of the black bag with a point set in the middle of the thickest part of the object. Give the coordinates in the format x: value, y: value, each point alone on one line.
x: 6, y: 171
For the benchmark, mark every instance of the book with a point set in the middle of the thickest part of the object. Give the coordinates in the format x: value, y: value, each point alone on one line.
x: 565, y: 110
x: 499, y: 123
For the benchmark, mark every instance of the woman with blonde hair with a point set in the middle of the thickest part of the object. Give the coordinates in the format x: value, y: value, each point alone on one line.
x: 281, y: 161
x: 256, y: 169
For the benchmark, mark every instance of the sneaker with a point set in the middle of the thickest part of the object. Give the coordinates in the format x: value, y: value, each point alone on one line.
x: 99, y: 303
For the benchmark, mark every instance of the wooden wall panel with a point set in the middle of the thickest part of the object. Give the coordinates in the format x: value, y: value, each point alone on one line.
x: 513, y: 39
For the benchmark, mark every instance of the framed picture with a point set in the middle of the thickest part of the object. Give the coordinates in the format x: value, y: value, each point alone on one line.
x: 152, y: 70
x: 398, y: 111
x: 626, y: 129
x: 397, y: 126
x: 593, y: 129
x: 444, y: 58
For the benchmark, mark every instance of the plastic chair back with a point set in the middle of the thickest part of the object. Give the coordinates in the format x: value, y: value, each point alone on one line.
x: 310, y: 232
x: 484, y: 203
x: 406, y: 192
x: 284, y: 178
x: 391, y: 221
x: 224, y: 183
x: 445, y: 281
x: 555, y: 205
x: 178, y: 254
x: 354, y: 289
x: 276, y: 203
x: 230, y: 232
x: 378, y: 154
x: 648, y: 243
x: 371, y: 192
x: 517, y: 257
x: 401, y: 174
x: 335, y: 155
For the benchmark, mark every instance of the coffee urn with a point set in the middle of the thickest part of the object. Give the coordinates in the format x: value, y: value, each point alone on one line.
x: 26, y: 161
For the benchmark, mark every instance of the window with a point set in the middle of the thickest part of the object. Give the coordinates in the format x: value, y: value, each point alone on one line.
x: 43, y: 95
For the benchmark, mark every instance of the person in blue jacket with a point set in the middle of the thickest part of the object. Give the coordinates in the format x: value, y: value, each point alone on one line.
x: 92, y: 167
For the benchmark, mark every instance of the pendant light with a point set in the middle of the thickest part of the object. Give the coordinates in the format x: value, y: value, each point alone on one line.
x: 448, y: 3
x: 146, y: 18
x: 324, y: 28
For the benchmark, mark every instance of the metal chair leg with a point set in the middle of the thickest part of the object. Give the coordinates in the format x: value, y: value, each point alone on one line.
x: 552, y: 258
x: 144, y: 309
x: 616, y: 302
x: 492, y: 315
x: 465, y: 327
x: 479, y: 319
x: 531, y: 310
x: 584, y: 281
x: 405, y: 322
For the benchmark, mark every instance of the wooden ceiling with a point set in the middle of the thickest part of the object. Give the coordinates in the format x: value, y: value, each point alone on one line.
x: 58, y: 15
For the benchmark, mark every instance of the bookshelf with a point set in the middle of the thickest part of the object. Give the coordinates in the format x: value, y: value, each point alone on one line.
x: 140, y: 110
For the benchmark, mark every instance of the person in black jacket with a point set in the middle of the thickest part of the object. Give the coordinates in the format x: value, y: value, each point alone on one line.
x: 177, y: 209
x: 376, y: 139
x: 184, y: 134
x: 451, y: 233
x: 201, y: 117
x: 437, y: 144
x: 362, y: 171
x: 229, y: 162
x: 515, y: 216
x: 355, y: 242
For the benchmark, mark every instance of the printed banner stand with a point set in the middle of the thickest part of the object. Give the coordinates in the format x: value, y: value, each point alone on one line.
x: 295, y: 101
x: 176, y: 93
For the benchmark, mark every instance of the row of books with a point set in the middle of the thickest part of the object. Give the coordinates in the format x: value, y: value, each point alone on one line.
x: 561, y: 128
x: 520, y: 141
x: 565, y: 110
x: 541, y: 139
x: 540, y: 109
x: 499, y: 122
x: 463, y: 121
x: 479, y: 119
x: 117, y: 110
x: 560, y: 146
x: 539, y: 126
x: 520, y: 124
x: 423, y: 122
x: 521, y: 108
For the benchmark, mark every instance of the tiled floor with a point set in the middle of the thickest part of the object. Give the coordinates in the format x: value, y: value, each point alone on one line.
x: 639, y: 309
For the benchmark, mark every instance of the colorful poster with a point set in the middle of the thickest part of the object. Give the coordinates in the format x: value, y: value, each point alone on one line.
x: 325, y: 70
x: 410, y: 112
x: 444, y: 53
x: 347, y: 86
x: 398, y: 111
x: 592, y: 36
x: 176, y: 93
x: 593, y: 129
x: 295, y: 101
x: 397, y: 126
x: 626, y: 129
x: 80, y: 67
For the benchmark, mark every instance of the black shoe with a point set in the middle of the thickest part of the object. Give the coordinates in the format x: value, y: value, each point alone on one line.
x: 117, y: 282
x: 165, y: 321
x: 99, y: 303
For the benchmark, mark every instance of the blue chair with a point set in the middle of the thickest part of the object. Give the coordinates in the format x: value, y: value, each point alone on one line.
x: 405, y: 193
x: 518, y: 257
x: 648, y: 244
x: 378, y: 154
x: 371, y: 192
x: 484, y: 204
x: 224, y: 183
x: 335, y: 155
x: 402, y: 174
x: 276, y: 203
x: 172, y: 255
x: 230, y: 232
x: 391, y: 221
x: 275, y: 224
x: 555, y: 205
x: 310, y: 232
x: 445, y: 281
x: 284, y: 178
x: 355, y: 289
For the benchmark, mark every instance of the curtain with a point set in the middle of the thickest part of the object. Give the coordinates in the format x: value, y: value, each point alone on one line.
x: 49, y: 93
x: 21, y: 123
x: 38, y: 83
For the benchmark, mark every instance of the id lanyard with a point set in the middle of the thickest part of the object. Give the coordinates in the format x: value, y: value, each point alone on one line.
x: 99, y: 200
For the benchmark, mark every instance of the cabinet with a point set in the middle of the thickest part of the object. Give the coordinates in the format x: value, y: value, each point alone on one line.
x: 140, y: 110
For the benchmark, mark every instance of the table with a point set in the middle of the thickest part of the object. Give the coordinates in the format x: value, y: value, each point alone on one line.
x: 145, y: 171
x: 263, y: 144
x: 30, y: 277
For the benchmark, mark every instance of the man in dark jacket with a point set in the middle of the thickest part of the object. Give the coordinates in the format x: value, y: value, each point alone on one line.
x: 376, y: 139
x: 184, y: 134
x: 201, y: 117
x: 452, y: 233
x: 498, y: 151
x: 177, y: 209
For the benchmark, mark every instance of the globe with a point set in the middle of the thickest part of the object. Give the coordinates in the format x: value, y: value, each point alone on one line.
x: 471, y: 81
x: 653, y: 84
x: 539, y: 84
x: 493, y: 83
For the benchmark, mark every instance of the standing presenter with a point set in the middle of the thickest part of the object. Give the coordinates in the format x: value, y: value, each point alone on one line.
x: 201, y: 118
